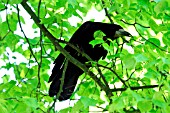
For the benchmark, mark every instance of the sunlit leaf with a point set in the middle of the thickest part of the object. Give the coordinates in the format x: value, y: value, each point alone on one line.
x: 140, y: 58
x: 145, y: 105
x: 88, y: 101
x: 158, y: 99
x: 32, y: 102
x: 96, y: 42
x: 117, y: 105
x: 129, y: 62
x: 154, y: 41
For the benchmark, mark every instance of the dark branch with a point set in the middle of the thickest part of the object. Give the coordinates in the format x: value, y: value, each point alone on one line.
x: 135, y: 88
x: 63, y: 51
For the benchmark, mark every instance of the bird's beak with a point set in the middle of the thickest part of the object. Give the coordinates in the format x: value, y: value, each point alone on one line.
x: 122, y: 32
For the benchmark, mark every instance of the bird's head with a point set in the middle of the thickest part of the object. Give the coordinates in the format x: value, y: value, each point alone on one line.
x: 114, y: 31
x: 121, y: 32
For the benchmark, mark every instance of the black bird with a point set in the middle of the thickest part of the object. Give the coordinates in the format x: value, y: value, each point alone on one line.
x: 80, y: 39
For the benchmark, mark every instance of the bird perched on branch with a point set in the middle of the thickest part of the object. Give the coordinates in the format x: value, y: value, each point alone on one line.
x: 80, y: 39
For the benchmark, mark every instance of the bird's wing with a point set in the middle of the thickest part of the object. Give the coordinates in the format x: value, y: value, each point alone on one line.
x: 59, y: 62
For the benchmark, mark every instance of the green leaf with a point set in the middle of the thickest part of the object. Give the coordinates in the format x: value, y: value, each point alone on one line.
x: 117, y: 104
x: 66, y: 110
x: 3, y: 108
x: 72, y: 2
x: 32, y: 82
x: 140, y: 29
x: 88, y: 101
x: 13, y: 20
x: 151, y: 74
x: 32, y: 102
x: 22, y: 107
x: 140, y: 58
x: 14, y: 2
x: 98, y: 35
x: 166, y: 38
x: 34, y: 40
x: 102, y: 62
x: 45, y: 77
x: 13, y: 39
x: 2, y: 7
x: 153, y: 40
x: 154, y: 26
x: 85, y: 89
x: 142, y: 18
x: 5, y: 78
x: 3, y: 29
x: 48, y: 20
x: 131, y: 16
x: 96, y: 41
x: 143, y: 3
x: 145, y: 105
x: 108, y: 76
x: 129, y: 61
x: 136, y: 95
x: 22, y: 74
x: 161, y: 6
x: 60, y: 3
x: 113, y: 56
x: 158, y: 99
x: 78, y: 106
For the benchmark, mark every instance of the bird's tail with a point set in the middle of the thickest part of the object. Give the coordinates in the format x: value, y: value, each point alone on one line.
x: 70, y: 79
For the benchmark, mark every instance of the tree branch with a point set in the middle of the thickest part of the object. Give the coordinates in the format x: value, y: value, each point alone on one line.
x: 135, y: 88
x: 62, y: 50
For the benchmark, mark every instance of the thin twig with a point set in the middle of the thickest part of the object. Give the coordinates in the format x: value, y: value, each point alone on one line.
x: 136, y: 88
x: 106, y: 12
x: 19, y: 21
x: 115, y: 74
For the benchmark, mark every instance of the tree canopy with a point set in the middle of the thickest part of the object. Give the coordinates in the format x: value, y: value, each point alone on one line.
x: 134, y: 76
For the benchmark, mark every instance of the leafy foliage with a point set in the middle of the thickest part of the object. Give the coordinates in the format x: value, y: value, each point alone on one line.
x: 136, y: 70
